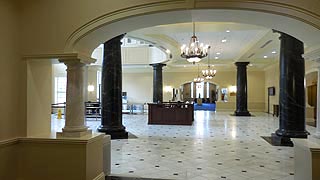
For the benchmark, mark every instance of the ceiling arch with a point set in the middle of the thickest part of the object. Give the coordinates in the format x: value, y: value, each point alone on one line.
x: 87, y: 39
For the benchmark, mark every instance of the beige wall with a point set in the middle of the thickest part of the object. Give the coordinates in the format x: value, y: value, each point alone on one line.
x: 39, y: 90
x: 58, y: 70
x: 272, y: 80
x: 36, y: 27
x: 9, y: 160
x: 46, y: 21
x: 92, y: 80
x: 50, y: 158
x: 139, y: 86
x: 12, y: 75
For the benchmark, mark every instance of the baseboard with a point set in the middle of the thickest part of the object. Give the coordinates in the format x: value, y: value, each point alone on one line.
x: 101, y: 176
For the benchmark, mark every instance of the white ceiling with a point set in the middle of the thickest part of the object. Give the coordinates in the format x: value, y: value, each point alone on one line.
x: 244, y: 43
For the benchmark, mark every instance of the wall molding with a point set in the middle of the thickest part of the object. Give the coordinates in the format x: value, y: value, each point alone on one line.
x: 9, y: 142
x: 46, y: 140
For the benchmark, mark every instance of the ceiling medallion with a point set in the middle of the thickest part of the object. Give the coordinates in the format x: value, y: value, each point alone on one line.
x: 195, y: 51
x: 209, y: 73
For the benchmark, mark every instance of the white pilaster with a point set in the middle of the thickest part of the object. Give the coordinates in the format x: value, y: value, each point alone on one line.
x: 318, y: 105
x: 75, y: 109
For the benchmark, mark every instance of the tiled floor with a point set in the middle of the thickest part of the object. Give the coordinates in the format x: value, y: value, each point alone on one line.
x: 217, y: 146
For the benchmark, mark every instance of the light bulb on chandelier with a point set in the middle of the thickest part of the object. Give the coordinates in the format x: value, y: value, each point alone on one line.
x: 198, y: 79
x: 209, y: 73
x: 195, y: 51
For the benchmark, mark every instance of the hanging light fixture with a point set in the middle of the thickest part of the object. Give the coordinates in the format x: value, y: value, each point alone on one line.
x: 209, y: 73
x: 198, y: 79
x: 195, y: 51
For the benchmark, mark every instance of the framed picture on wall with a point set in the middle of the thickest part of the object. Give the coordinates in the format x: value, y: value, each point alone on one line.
x: 271, y: 91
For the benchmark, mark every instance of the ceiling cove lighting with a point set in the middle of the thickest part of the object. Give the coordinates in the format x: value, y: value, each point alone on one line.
x: 195, y: 51
x: 209, y: 73
x: 198, y: 79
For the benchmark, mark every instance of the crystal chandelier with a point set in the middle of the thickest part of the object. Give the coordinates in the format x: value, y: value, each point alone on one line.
x: 198, y: 79
x: 195, y: 51
x: 209, y: 73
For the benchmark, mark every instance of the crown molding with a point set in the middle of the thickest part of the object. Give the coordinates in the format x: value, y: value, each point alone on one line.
x: 65, y: 57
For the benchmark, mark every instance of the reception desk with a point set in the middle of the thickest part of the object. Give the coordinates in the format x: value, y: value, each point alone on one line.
x: 170, y: 113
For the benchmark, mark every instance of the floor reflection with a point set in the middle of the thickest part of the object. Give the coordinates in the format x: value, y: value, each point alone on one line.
x: 216, y: 146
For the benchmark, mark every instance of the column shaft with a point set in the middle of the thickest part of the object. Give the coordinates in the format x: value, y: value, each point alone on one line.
x: 157, y: 82
x: 74, y: 117
x: 242, y: 93
x: 111, y: 84
x: 292, y: 91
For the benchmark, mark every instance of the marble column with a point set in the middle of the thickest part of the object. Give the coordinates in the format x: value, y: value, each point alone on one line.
x: 317, y: 134
x: 157, y: 82
x: 242, y: 93
x: 292, y: 92
x: 111, y: 88
x: 75, y: 110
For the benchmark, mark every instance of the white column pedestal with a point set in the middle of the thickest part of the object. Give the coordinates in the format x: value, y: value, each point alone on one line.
x: 75, y: 108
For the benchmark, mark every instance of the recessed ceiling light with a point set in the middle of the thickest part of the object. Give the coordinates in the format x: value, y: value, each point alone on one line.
x: 265, y: 57
x: 216, y: 57
x: 218, y: 53
x: 184, y: 66
x: 168, y: 51
x: 274, y: 52
x: 224, y: 40
x: 227, y: 31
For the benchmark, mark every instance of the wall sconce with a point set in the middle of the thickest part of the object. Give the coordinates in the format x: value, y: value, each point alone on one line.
x: 90, y: 88
x: 168, y: 89
x: 233, y: 90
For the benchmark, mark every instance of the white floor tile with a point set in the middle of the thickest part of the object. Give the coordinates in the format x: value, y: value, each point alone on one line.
x: 216, y: 146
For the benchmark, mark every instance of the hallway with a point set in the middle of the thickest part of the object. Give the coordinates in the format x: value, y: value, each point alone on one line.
x: 217, y: 146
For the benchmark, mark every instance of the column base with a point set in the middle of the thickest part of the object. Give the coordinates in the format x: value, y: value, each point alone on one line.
x: 242, y: 113
x: 115, y: 133
x: 280, y: 140
x: 292, y: 134
x: 74, y: 132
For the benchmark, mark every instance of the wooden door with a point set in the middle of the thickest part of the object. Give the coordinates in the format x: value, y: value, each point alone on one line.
x: 312, y: 98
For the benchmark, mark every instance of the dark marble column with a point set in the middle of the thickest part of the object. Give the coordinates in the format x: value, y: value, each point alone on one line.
x: 111, y: 84
x: 242, y: 97
x: 292, y: 92
x: 157, y: 82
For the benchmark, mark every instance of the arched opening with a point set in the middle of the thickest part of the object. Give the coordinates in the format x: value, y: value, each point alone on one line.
x: 89, y: 41
x: 86, y: 40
